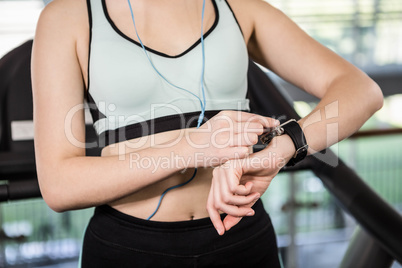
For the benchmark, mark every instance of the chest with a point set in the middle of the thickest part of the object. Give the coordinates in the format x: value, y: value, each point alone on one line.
x: 159, y: 28
x: 166, y: 26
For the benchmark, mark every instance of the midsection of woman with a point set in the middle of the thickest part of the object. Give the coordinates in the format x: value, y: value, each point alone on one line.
x: 172, y: 41
x: 63, y: 64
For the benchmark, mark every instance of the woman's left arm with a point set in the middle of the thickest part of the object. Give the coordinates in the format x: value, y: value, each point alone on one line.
x: 348, y: 97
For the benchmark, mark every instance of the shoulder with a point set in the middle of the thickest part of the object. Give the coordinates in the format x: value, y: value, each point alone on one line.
x: 249, y: 12
x: 255, y: 6
x: 63, y: 28
x: 64, y: 17
x: 65, y: 8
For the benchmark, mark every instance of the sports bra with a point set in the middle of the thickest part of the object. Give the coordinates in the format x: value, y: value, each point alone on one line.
x: 128, y: 99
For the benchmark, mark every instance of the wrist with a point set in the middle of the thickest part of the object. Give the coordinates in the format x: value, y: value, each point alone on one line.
x: 186, y: 152
x: 283, y: 148
x: 292, y: 129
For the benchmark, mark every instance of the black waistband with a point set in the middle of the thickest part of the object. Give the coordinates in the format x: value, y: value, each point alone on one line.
x: 166, y: 226
x: 190, y: 237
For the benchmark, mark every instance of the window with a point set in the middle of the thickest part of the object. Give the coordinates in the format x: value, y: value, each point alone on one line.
x: 17, y: 22
x: 365, y: 32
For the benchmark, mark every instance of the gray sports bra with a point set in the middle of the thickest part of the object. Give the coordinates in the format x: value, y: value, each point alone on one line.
x: 128, y: 99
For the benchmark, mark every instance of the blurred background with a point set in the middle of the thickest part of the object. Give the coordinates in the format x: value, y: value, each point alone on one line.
x: 313, y: 231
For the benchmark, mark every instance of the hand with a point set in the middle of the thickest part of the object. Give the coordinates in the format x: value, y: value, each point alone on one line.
x: 237, y: 184
x: 227, y: 135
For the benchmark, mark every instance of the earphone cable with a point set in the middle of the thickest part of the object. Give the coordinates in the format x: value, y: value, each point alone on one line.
x: 202, y: 102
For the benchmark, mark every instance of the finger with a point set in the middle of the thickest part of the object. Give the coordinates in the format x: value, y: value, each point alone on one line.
x: 244, y: 139
x: 245, y: 116
x: 227, y: 182
x: 236, y: 152
x: 243, y: 189
x: 269, y: 122
x: 225, y: 191
x: 234, y: 210
x: 215, y: 216
x: 249, y: 127
x: 238, y: 115
x: 216, y: 221
x: 222, y: 195
x: 231, y: 174
x: 249, y: 185
x: 230, y: 221
x: 240, y: 200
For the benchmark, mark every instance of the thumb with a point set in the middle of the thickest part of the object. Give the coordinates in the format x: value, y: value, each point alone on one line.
x: 230, y: 221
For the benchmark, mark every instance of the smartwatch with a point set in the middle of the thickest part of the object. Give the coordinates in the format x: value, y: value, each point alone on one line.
x: 294, y: 131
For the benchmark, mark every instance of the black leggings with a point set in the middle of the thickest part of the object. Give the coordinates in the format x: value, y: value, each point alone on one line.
x: 115, y: 239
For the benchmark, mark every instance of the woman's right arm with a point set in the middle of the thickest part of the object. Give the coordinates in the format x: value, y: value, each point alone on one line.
x: 67, y: 178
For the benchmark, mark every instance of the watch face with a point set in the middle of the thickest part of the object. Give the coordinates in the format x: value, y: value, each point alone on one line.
x: 267, y: 138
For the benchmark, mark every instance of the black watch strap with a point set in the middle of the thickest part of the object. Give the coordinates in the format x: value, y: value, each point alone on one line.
x: 294, y: 131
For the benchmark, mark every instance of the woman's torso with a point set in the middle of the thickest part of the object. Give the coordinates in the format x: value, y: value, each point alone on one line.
x: 178, y: 39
